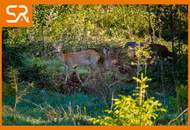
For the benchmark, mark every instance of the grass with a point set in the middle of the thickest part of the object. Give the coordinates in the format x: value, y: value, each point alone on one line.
x: 34, y: 108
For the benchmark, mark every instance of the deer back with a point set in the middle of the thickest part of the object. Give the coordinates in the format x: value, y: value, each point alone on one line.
x: 160, y: 50
x: 86, y: 57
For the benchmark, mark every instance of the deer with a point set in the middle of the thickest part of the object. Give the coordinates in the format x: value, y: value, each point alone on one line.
x: 72, y: 60
x: 109, y: 61
x: 161, y: 50
x: 157, y: 49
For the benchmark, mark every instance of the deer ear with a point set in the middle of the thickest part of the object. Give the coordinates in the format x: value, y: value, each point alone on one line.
x: 104, y: 50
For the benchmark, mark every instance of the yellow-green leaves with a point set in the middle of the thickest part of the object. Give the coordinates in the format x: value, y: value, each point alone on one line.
x: 132, y: 111
x: 141, y: 87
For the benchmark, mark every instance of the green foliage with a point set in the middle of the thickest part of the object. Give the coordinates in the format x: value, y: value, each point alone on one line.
x: 18, y: 36
x: 89, y: 25
x: 10, y: 85
x: 182, y: 97
x: 132, y: 111
x: 94, y: 24
x: 141, y: 87
x: 11, y: 57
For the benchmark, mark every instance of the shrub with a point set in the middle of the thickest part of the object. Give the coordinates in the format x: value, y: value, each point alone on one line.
x: 132, y: 111
x: 20, y: 89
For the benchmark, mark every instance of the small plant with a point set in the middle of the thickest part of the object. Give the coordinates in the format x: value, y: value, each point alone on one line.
x: 182, y: 97
x: 143, y: 54
x: 181, y: 105
x: 19, y: 89
x: 70, y: 115
x: 132, y: 111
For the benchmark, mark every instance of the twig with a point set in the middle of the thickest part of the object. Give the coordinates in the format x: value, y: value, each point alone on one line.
x: 112, y: 84
x: 178, y: 116
x: 28, y: 101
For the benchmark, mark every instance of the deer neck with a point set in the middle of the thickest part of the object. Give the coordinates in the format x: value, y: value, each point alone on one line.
x: 107, y: 56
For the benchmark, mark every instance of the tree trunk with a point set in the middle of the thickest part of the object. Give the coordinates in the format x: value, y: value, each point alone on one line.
x: 151, y: 30
x: 16, y: 98
x: 179, y: 37
x: 159, y: 24
x: 173, y: 32
x: 43, y: 40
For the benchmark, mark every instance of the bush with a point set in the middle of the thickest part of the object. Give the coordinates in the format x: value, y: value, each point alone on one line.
x: 132, y: 111
x: 182, y: 97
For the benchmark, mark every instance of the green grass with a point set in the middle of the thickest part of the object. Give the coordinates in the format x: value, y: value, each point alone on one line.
x: 34, y: 107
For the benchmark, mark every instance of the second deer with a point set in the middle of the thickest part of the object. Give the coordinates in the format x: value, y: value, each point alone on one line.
x: 109, y: 60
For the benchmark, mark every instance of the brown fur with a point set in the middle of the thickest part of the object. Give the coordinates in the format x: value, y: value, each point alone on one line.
x: 86, y: 57
x: 160, y: 50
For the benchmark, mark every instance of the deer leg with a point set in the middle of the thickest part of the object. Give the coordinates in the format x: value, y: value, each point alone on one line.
x: 67, y: 73
x: 79, y: 77
x: 66, y: 78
